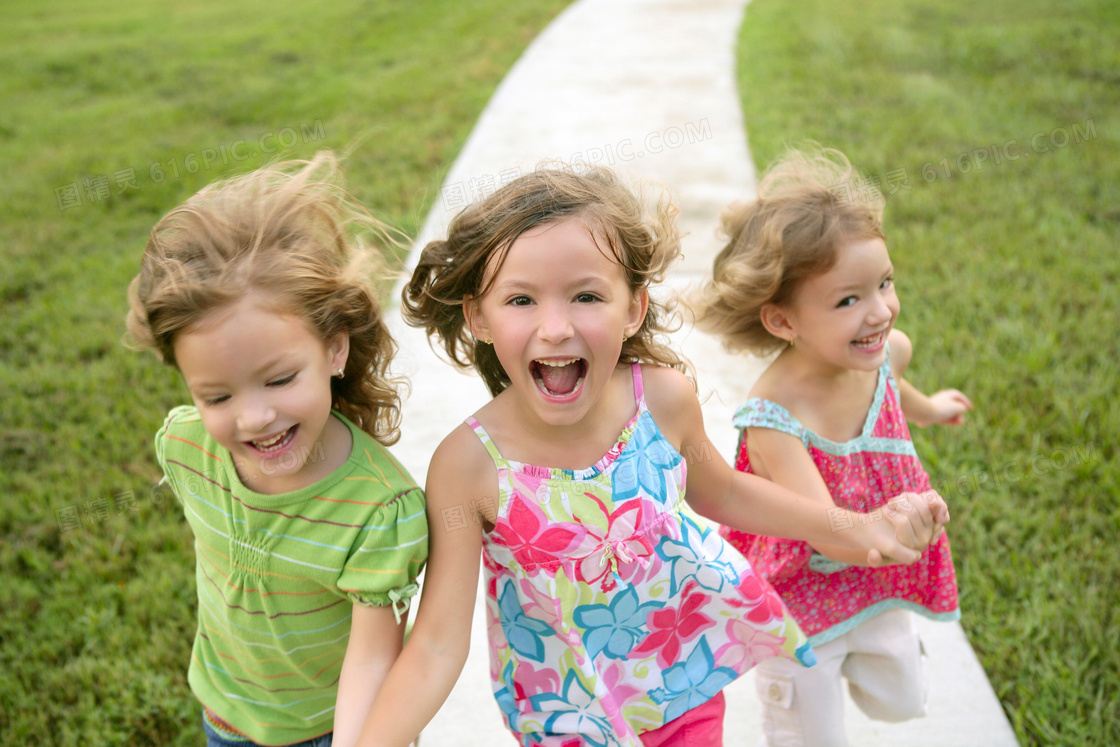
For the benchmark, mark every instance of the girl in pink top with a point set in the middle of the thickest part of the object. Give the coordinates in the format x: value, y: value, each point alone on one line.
x: 809, y: 276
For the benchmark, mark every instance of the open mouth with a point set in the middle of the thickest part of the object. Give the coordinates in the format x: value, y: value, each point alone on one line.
x: 869, y: 343
x: 277, y: 442
x: 559, y: 377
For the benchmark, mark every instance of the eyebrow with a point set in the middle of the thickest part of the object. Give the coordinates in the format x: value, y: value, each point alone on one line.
x: 857, y: 286
x: 514, y: 284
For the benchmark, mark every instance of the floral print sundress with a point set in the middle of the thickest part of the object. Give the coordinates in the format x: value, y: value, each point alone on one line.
x: 611, y: 609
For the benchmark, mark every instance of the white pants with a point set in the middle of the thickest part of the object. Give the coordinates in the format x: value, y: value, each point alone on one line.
x: 882, y: 660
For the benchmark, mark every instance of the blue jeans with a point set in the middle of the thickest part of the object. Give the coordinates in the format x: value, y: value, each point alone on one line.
x: 214, y: 739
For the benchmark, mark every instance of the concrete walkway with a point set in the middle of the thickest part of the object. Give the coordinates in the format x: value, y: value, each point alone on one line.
x: 647, y: 88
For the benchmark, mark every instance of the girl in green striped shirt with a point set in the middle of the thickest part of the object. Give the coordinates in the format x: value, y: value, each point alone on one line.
x: 309, y: 535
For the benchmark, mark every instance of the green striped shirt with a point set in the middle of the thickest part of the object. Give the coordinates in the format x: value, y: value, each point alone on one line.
x: 277, y: 575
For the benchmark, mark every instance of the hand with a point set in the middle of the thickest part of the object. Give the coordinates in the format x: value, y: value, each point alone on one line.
x: 949, y: 407
x: 913, y: 522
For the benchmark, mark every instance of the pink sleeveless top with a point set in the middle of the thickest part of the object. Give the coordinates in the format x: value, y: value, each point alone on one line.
x: 828, y: 598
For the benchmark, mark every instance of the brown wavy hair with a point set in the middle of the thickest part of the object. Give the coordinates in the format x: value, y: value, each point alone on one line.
x: 803, y: 215
x: 290, y: 230
x: 643, y: 240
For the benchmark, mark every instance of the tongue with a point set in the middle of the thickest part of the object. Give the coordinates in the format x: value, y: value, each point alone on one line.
x: 559, y: 379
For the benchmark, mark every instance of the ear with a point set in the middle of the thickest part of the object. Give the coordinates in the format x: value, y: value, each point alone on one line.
x: 778, y: 321
x: 476, y: 322
x: 636, y: 314
x: 339, y: 351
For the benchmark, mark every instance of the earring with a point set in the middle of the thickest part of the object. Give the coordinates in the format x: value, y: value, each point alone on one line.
x: 340, y: 373
x: 487, y: 341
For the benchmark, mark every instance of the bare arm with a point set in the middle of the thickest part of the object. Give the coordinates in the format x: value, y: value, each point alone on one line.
x: 946, y: 407
x: 783, y: 459
x: 753, y: 504
x: 460, y: 474
x: 375, y: 643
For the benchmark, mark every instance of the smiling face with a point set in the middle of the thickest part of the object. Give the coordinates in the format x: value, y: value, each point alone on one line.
x: 841, y: 318
x: 261, y: 382
x: 557, y: 310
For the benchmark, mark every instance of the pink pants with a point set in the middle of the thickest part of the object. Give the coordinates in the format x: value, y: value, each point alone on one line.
x: 700, y: 727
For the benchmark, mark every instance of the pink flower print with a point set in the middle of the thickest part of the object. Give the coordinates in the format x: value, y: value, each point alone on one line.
x: 619, y: 552
x: 528, y: 681
x: 760, y: 598
x: 543, y: 607
x: 672, y: 626
x: 612, y: 677
x: 748, y: 646
x: 531, y: 539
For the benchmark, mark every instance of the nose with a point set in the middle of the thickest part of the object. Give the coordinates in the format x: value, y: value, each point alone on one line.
x: 555, y: 325
x: 882, y: 310
x: 255, y: 415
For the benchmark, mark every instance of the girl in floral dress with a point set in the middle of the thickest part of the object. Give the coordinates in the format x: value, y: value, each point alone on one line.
x: 615, y: 615
x: 809, y: 275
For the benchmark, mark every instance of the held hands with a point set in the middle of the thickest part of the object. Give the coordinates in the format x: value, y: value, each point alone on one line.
x: 913, y: 521
x: 948, y: 408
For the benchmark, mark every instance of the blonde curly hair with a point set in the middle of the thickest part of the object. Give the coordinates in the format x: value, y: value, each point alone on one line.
x: 792, y: 231
x: 290, y: 230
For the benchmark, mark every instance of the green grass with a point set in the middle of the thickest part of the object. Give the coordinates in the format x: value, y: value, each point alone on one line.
x: 1008, y: 274
x: 151, y: 100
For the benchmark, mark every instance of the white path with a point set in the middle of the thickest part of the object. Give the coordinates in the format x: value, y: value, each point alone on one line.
x: 645, y: 87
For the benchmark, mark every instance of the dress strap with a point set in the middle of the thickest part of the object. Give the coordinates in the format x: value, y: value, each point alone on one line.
x: 639, y: 388
x: 484, y: 437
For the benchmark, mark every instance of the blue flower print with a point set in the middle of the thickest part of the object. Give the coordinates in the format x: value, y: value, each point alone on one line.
x: 613, y: 630
x: 571, y: 712
x: 506, y: 702
x: 523, y: 632
x: 692, y: 682
x: 641, y: 468
x: 700, y: 554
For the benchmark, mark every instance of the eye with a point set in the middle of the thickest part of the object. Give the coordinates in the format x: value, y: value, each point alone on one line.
x: 214, y: 401
x: 887, y: 282
x: 847, y: 301
x: 586, y: 298
x: 520, y: 301
x: 282, y: 381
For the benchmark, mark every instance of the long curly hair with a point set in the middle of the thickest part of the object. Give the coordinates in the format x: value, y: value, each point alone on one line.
x: 289, y: 230
x: 643, y: 241
x: 792, y: 231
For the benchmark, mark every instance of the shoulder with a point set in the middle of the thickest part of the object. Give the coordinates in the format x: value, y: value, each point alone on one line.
x: 374, y: 463
x: 671, y: 399
x: 667, y: 389
x: 182, y: 429
x: 461, y: 469
x: 901, y: 350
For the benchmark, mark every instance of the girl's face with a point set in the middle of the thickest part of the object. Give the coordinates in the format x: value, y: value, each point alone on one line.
x: 842, y: 317
x: 557, y: 311
x: 261, y: 382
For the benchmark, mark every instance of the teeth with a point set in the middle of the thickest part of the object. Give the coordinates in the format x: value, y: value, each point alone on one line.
x: 557, y: 364
x: 272, y: 442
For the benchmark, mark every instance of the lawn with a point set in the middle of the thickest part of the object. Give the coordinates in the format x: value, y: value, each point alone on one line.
x: 991, y: 128
x: 112, y: 114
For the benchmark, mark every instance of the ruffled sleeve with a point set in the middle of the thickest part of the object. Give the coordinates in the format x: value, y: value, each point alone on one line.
x: 762, y: 413
x: 382, y: 570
